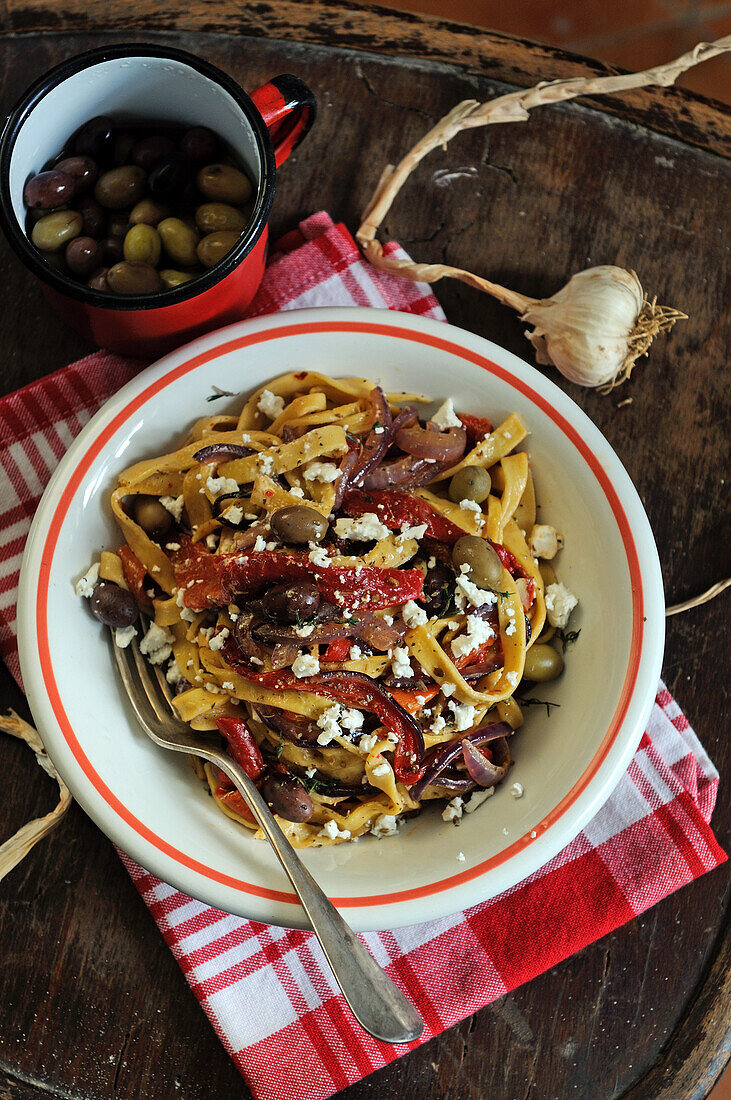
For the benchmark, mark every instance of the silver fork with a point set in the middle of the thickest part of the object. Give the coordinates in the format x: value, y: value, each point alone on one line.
x: 377, y: 1004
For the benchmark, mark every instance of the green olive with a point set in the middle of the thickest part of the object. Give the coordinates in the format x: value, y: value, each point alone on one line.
x: 224, y: 183
x: 133, y: 278
x: 470, y: 483
x: 148, y: 212
x: 212, y: 216
x: 179, y: 240
x: 299, y: 524
x: 36, y: 215
x: 143, y: 245
x: 152, y: 516
x: 485, y: 567
x: 215, y: 246
x: 55, y: 230
x: 172, y: 278
x: 120, y: 187
x: 542, y: 662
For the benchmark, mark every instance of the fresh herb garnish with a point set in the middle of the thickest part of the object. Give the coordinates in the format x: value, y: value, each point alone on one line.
x: 280, y: 747
x: 537, y: 703
x: 351, y: 437
x: 220, y: 393
x: 567, y: 637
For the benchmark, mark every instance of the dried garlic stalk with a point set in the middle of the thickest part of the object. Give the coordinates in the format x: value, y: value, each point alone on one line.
x: 17, y: 847
x: 572, y: 330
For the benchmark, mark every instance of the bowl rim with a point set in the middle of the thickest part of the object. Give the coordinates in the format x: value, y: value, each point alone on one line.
x: 80, y: 292
x: 518, y: 859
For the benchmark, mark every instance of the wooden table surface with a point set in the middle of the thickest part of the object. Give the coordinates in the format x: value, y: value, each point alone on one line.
x: 92, y: 1004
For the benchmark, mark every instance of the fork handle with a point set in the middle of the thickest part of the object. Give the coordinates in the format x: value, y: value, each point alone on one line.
x: 377, y: 1004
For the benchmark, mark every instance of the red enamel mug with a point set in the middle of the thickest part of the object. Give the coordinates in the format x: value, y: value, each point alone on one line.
x: 136, y: 83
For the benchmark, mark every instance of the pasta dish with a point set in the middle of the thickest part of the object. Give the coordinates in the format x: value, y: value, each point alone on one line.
x: 349, y: 593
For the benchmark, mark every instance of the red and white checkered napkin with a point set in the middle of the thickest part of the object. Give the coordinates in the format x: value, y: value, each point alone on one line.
x: 267, y: 990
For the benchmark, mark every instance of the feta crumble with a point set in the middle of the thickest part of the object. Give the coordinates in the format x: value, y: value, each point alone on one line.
x: 464, y: 715
x: 385, y: 825
x: 478, y: 597
x: 217, y: 642
x: 517, y: 790
x: 381, y: 769
x: 478, y: 632
x: 322, y: 471
x: 172, y: 545
x: 260, y: 544
x: 438, y: 724
x: 544, y: 541
x: 411, y: 533
x: 448, y: 688
x: 174, y: 506
x: 332, y: 831
x: 157, y: 644
x: 367, y: 743
x: 461, y: 857
x: 173, y: 674
x: 559, y: 605
x: 318, y: 556
x: 123, y: 635
x: 355, y: 653
x: 270, y: 405
x: 400, y: 663
x: 228, y: 686
x: 85, y: 585
x: 477, y: 798
x: 512, y: 678
x: 234, y: 514
x: 218, y: 485
x: 186, y: 614
x: 445, y: 416
x: 266, y: 464
x: 364, y: 528
x: 305, y: 665
x: 413, y: 614
x: 453, y: 810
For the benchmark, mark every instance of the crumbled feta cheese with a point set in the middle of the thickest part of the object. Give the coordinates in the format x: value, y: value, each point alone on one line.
x: 172, y: 545
x: 517, y: 790
x: 228, y: 686
x: 453, y: 810
x: 174, y: 506
x: 367, y: 742
x: 207, y: 632
x: 260, y: 543
x: 413, y: 614
x: 351, y: 719
x: 445, y: 416
x: 266, y: 464
x: 305, y: 665
x: 544, y: 541
x: 438, y: 724
x: 85, y: 585
x: 213, y: 688
x: 477, y: 798
x: 256, y: 660
x: 186, y: 614
x: 478, y: 632
x: 173, y: 674
x: 157, y: 644
x: 322, y: 471
x: 378, y: 429
x: 431, y: 562
x: 461, y: 857
x: 218, y: 485
x: 234, y: 514
x: 464, y: 715
x: 381, y: 769
x: 309, y: 772
x: 478, y: 597
x: 319, y: 556
x: 271, y: 405
x: 510, y: 629
x: 512, y: 678
x: 123, y: 635
x: 470, y: 506
x: 212, y: 541
x: 388, y: 619
x: 332, y: 831
x: 365, y: 527
x: 355, y: 653
x: 400, y: 663
x: 411, y: 533
x: 305, y: 630
x: 271, y: 546
x: 385, y: 825
x: 559, y: 605
x: 217, y: 642
x: 329, y: 723
x: 296, y: 491
x: 448, y: 688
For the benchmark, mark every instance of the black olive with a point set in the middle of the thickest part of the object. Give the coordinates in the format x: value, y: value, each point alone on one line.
x: 288, y: 798
x: 286, y: 603
x: 113, y: 606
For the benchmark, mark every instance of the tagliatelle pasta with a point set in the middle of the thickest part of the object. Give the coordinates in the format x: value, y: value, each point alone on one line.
x: 348, y: 594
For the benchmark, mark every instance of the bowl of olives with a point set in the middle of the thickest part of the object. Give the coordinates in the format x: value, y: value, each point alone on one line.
x: 136, y: 184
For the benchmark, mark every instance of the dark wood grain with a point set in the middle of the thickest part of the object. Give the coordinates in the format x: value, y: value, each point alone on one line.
x: 92, y: 1004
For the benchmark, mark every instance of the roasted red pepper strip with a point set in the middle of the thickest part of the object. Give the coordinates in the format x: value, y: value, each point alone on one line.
x: 242, y: 746
x: 355, y: 689
x: 477, y: 428
x: 337, y: 651
x: 217, y: 579
x: 395, y: 509
x: 134, y: 574
x: 413, y: 701
x: 235, y: 801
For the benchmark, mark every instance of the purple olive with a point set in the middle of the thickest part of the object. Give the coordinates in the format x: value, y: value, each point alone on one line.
x: 83, y: 171
x: 149, y: 150
x: 83, y: 256
x: 98, y: 281
x: 199, y: 143
x: 95, y: 139
x: 169, y: 176
x: 48, y: 190
x: 288, y: 798
x: 286, y: 603
x: 124, y: 142
x: 93, y: 215
x: 113, y: 606
x: 112, y: 250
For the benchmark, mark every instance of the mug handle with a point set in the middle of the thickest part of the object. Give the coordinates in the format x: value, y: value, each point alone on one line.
x: 288, y: 108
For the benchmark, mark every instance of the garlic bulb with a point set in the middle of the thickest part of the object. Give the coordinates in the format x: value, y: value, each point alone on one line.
x: 596, y: 327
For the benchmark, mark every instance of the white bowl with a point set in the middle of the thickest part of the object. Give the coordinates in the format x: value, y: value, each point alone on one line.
x: 149, y: 802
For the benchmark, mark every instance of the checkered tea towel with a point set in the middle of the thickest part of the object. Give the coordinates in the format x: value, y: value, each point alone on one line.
x: 268, y: 991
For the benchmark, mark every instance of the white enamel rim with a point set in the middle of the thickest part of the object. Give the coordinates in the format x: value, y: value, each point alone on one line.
x: 568, y: 764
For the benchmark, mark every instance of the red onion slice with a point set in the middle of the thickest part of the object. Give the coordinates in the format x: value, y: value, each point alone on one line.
x: 482, y: 769
x: 377, y: 442
x: 444, y: 755
x: 405, y: 473
x: 431, y: 443
x: 221, y: 451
